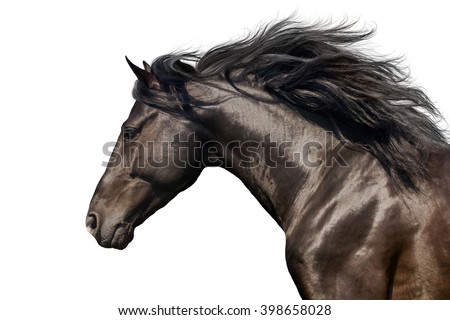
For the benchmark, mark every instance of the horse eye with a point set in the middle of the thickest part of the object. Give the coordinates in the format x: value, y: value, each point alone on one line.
x: 129, y: 133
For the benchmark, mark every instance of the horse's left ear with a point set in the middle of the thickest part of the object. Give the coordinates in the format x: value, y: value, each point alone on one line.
x: 145, y: 75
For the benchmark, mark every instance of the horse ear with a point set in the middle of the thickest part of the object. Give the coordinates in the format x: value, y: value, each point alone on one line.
x: 147, y: 66
x: 145, y: 75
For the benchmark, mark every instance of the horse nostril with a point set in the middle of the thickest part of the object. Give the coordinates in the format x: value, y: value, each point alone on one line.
x: 91, y: 222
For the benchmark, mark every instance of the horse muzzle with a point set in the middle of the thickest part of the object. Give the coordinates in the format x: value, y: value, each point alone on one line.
x: 117, y: 236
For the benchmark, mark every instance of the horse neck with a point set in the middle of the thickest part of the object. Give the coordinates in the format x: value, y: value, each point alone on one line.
x: 277, y: 138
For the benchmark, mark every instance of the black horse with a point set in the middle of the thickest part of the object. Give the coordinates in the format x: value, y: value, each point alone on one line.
x: 339, y: 148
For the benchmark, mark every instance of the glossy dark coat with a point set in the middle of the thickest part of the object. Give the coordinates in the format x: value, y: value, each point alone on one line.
x: 358, y: 224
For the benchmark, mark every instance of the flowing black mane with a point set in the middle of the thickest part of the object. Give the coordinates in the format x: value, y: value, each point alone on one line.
x: 370, y: 102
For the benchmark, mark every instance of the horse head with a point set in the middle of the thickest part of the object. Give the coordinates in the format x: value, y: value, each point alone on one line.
x: 154, y: 159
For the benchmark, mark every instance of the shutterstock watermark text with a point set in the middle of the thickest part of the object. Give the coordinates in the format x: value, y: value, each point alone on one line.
x: 184, y: 151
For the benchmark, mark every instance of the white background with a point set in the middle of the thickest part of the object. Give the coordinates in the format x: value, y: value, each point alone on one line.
x: 65, y: 91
